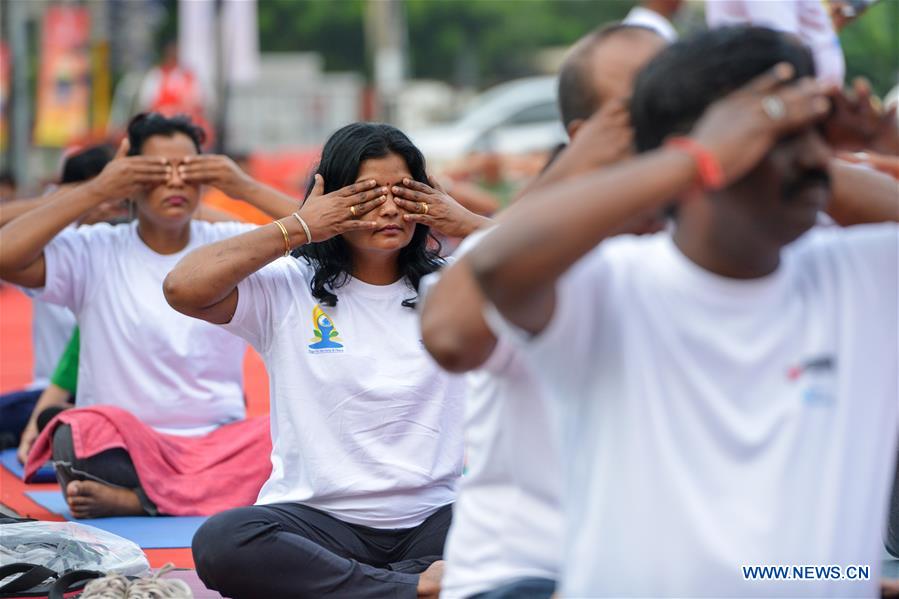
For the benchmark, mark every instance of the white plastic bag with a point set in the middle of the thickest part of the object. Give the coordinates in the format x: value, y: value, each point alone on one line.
x: 64, y: 546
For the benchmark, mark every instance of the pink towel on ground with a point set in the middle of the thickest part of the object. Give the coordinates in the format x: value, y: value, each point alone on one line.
x: 183, y: 476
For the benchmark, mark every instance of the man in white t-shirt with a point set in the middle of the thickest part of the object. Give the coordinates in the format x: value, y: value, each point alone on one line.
x: 505, y: 540
x: 806, y: 19
x: 656, y: 15
x: 729, y: 390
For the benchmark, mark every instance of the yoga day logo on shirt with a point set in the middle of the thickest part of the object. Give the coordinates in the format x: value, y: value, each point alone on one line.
x: 326, y: 336
x: 817, y: 376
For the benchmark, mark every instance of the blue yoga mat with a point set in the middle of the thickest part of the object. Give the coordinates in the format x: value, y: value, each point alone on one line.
x: 161, y: 532
x: 45, y: 474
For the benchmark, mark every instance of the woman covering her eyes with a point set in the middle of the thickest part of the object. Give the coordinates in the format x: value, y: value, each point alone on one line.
x: 366, y: 429
x: 160, y: 420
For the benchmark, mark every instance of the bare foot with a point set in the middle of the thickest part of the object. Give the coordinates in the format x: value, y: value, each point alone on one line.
x: 89, y: 499
x: 429, y: 581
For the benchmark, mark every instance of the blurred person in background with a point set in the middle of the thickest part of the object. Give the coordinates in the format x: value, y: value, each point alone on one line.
x: 730, y: 377
x: 484, y: 171
x: 366, y: 429
x: 656, y: 15
x: 172, y: 89
x: 52, y: 325
x: 809, y: 20
x: 844, y: 12
x: 162, y: 390
x: 506, y: 538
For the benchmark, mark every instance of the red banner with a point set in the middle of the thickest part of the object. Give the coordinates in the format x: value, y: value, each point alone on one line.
x: 63, y: 93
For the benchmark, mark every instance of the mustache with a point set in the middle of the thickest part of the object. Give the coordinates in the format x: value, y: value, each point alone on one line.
x: 811, y: 177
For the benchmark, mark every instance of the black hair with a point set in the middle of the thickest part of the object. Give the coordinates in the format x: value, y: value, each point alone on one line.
x: 7, y: 178
x: 675, y: 88
x: 148, y: 124
x: 577, y: 95
x: 86, y: 164
x: 342, y: 156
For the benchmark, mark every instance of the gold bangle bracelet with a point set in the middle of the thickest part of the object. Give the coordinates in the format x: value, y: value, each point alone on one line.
x: 286, y: 237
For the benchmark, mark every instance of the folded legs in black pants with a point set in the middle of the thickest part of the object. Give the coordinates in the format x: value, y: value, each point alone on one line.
x: 291, y: 550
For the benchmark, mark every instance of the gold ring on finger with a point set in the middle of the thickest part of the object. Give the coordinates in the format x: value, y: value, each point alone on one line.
x: 353, y: 211
x: 423, y: 207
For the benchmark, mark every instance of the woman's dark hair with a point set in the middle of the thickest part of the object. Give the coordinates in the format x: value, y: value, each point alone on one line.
x: 147, y: 124
x: 342, y: 157
x: 675, y: 88
x: 86, y: 164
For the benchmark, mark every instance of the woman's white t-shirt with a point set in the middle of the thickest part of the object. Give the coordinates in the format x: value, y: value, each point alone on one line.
x: 365, y: 425
x: 178, y: 374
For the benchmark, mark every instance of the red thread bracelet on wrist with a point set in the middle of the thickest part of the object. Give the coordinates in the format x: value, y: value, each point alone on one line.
x: 711, y: 176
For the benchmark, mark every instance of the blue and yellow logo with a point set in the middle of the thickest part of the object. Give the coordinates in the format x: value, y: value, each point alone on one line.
x: 326, y: 336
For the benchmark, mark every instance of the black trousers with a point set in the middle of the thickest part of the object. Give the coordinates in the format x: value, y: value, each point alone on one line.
x: 892, y: 541
x: 288, y: 550
x: 524, y: 588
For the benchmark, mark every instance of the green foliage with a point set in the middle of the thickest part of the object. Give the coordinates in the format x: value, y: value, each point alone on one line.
x: 481, y: 42
x: 333, y: 28
x: 464, y: 41
x: 485, y: 41
x: 871, y: 46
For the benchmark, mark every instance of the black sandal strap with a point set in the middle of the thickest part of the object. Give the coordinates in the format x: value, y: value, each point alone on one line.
x: 75, y: 578
x: 32, y: 576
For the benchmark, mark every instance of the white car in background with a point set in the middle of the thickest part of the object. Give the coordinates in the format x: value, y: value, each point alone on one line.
x: 517, y: 117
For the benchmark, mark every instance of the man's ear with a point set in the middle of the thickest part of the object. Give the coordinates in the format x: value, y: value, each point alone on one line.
x: 573, y: 127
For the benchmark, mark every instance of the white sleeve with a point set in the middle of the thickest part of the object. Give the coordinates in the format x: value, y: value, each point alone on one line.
x: 503, y: 351
x: 872, y: 255
x: 565, y: 345
x: 70, y: 264
x: 779, y: 15
x: 264, y: 300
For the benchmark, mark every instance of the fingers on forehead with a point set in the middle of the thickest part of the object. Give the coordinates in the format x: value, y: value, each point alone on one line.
x: 414, y: 196
x: 150, y: 168
x: 413, y: 184
x: 407, y: 193
x: 773, y: 77
x: 360, y: 186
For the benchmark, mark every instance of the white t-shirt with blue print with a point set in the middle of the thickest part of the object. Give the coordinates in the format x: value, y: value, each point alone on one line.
x: 365, y: 425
